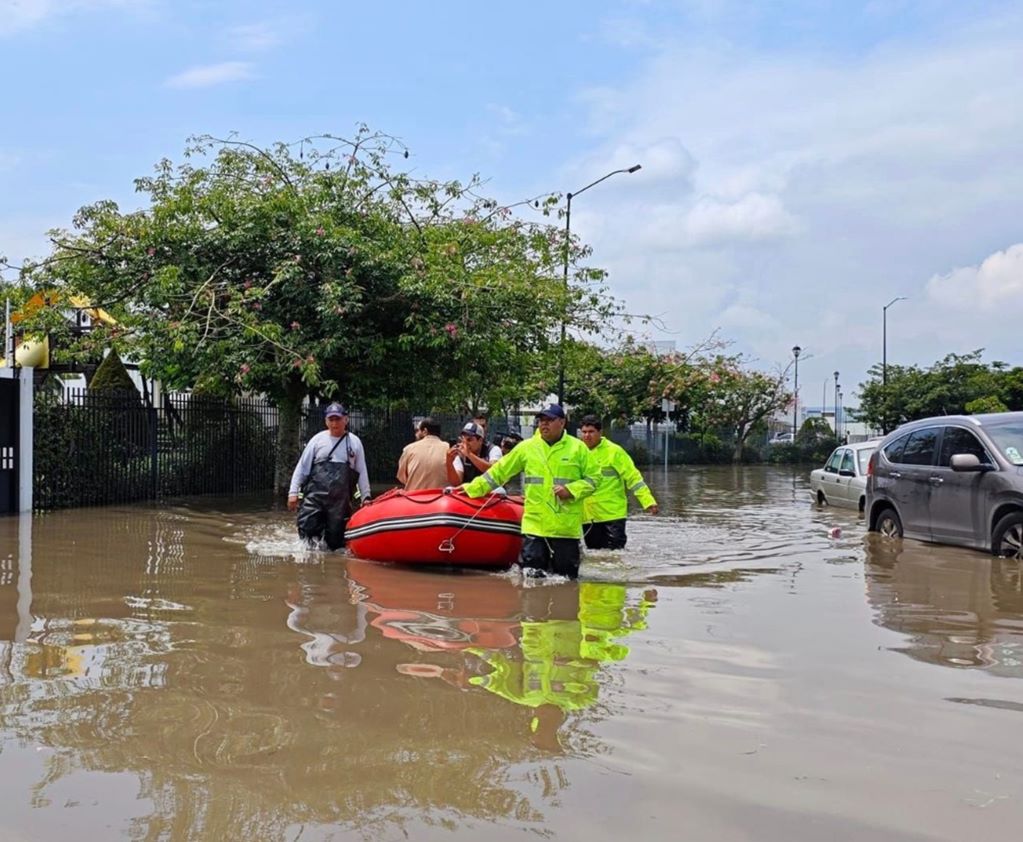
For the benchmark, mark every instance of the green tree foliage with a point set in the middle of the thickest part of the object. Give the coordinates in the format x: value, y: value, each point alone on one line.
x: 112, y: 376
x: 958, y: 384
x: 614, y: 384
x: 319, y: 268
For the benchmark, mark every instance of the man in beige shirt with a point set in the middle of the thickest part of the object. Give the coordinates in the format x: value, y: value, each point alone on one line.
x: 423, y: 464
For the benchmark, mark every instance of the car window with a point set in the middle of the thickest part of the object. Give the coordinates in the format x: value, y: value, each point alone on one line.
x: 832, y: 465
x: 1009, y: 438
x: 847, y: 462
x: 863, y: 457
x: 957, y: 440
x: 893, y: 451
x: 919, y: 450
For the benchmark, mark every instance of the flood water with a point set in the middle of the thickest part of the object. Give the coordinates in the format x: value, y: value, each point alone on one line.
x: 190, y: 672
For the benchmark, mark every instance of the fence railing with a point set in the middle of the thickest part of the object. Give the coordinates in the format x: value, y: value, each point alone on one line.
x: 96, y: 449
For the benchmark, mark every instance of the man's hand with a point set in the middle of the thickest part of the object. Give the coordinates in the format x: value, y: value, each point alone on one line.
x: 292, y: 502
x: 562, y: 493
x: 653, y: 509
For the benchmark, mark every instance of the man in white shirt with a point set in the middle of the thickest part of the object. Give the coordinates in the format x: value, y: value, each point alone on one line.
x: 331, y: 478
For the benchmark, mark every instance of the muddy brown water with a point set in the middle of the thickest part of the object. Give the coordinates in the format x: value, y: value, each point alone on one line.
x: 190, y: 672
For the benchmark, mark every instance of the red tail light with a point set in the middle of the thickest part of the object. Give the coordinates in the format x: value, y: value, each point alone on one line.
x: 870, y: 464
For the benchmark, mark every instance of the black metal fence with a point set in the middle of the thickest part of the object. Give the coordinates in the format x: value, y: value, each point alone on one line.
x: 95, y: 449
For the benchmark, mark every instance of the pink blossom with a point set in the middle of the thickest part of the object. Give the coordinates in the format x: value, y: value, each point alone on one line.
x: 150, y: 251
x: 247, y: 285
x: 320, y: 232
x: 452, y: 329
x: 245, y: 368
x: 714, y: 377
x: 295, y: 325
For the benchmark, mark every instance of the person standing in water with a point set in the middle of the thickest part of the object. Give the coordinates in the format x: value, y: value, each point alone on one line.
x: 331, y: 478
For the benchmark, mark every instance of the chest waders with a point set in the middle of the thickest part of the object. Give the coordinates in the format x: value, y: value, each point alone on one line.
x: 327, y: 500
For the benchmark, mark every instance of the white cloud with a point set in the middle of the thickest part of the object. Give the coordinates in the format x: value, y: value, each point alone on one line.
x: 253, y: 37
x: 267, y: 34
x: 819, y: 185
x: 993, y: 286
x: 19, y: 15
x: 208, y: 75
x: 752, y: 218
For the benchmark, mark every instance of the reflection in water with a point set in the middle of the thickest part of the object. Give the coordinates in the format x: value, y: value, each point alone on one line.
x: 252, y: 698
x: 959, y: 607
x: 192, y: 675
x: 539, y: 647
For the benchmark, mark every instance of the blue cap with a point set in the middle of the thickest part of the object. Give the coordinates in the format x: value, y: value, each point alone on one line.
x: 334, y: 409
x: 552, y: 411
x: 472, y: 429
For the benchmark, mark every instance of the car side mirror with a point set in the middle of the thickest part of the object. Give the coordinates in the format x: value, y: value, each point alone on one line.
x: 968, y: 462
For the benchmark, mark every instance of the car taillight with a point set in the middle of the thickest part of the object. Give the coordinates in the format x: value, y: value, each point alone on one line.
x: 870, y: 464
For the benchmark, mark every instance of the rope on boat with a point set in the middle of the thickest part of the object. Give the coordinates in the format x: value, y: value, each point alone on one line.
x: 448, y: 544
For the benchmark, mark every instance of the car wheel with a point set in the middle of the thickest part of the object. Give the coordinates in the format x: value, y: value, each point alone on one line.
x: 863, y: 505
x: 1007, y: 539
x: 888, y: 524
x: 821, y: 499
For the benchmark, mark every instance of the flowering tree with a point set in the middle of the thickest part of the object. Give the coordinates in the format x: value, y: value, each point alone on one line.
x: 318, y: 268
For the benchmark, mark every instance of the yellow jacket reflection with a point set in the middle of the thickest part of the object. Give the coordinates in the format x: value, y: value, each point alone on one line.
x: 560, y: 657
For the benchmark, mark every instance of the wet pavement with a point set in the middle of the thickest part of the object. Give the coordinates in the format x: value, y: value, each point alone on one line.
x: 737, y: 673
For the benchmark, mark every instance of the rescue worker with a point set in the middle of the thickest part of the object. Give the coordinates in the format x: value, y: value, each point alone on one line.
x: 558, y: 471
x: 331, y: 478
x: 607, y: 509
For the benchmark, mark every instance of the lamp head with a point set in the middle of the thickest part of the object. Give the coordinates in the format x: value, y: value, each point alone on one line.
x: 795, y: 351
x: 634, y: 168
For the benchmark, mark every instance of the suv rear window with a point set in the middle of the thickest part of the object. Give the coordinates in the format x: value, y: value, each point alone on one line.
x: 919, y: 450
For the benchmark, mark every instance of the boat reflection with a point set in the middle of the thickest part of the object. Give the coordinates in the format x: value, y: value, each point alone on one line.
x: 539, y: 647
x: 959, y: 608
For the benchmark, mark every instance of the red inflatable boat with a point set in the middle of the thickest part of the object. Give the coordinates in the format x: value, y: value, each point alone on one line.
x: 430, y: 527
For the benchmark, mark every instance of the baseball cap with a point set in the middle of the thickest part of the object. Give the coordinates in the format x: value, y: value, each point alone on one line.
x: 472, y: 429
x: 334, y: 409
x: 552, y: 411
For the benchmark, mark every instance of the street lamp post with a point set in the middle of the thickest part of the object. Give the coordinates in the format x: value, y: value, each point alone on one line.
x: 568, y: 231
x: 795, y: 389
x: 884, y: 338
x: 884, y: 349
x: 841, y: 404
x: 836, y: 406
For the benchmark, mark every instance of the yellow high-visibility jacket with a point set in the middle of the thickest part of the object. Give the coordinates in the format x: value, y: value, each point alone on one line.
x: 567, y: 462
x: 618, y: 475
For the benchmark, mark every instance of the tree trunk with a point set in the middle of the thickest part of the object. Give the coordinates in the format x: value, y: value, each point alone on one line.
x: 289, y: 430
x: 740, y: 440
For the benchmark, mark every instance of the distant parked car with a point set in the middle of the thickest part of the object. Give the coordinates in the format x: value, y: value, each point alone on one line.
x: 843, y: 479
x: 781, y: 438
x: 951, y: 480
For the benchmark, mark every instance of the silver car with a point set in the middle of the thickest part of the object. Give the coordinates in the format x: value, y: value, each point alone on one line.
x: 955, y: 479
x: 843, y: 479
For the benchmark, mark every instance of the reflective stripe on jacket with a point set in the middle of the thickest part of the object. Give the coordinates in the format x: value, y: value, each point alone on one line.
x: 567, y: 462
x: 618, y: 475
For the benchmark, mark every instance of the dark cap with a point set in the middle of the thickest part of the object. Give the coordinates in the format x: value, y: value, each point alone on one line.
x: 334, y: 409
x: 552, y: 411
x: 471, y: 429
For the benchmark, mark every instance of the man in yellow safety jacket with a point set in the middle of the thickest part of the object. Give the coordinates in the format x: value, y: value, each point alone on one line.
x: 607, y: 509
x: 558, y: 472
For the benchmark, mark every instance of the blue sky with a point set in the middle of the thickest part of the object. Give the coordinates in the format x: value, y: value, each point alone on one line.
x: 803, y: 162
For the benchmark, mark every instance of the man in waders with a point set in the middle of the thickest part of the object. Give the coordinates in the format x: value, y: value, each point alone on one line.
x: 331, y: 477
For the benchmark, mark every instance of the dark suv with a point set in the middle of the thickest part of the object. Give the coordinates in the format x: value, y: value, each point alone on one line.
x: 955, y: 479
